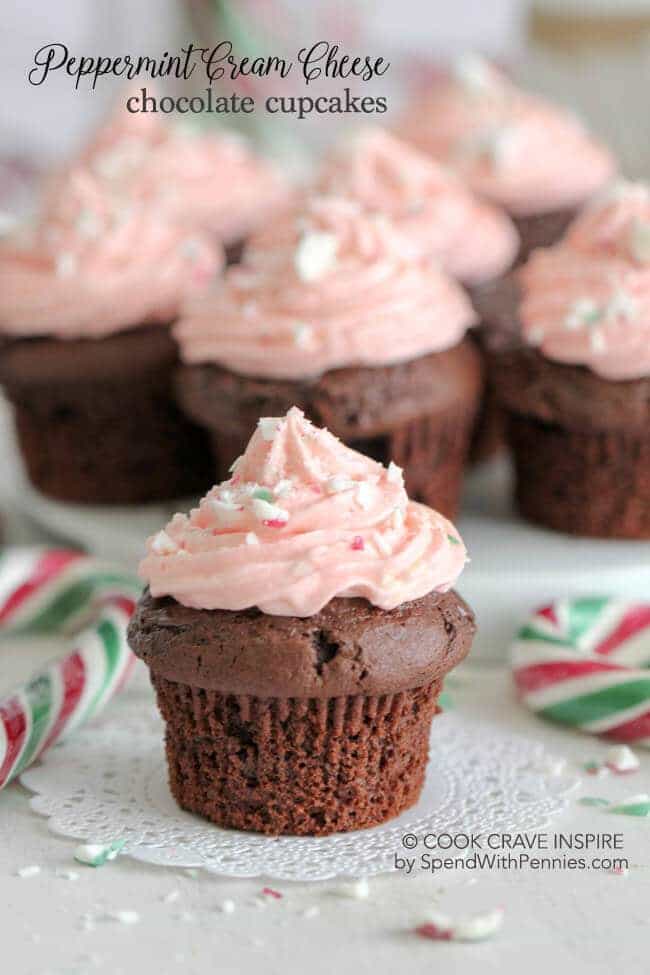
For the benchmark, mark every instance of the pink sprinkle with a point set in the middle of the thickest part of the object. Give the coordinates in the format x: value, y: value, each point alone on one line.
x: 433, y: 932
x: 274, y: 523
x: 357, y: 544
x: 619, y: 771
x: 272, y: 893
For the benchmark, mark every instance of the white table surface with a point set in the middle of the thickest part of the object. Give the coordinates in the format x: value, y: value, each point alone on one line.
x: 554, y: 921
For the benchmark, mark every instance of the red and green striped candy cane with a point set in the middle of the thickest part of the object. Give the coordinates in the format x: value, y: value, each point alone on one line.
x: 585, y: 662
x: 55, y: 591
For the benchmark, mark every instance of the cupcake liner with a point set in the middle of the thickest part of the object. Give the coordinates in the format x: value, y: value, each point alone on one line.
x: 582, y: 483
x: 298, y: 766
x: 114, y: 437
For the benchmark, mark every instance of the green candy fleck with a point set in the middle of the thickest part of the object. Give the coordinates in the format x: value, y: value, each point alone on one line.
x: 264, y: 494
x: 593, y: 801
x: 453, y: 540
x: 97, y: 854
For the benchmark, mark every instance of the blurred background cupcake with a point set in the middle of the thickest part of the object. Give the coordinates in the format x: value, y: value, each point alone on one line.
x: 534, y: 159
x: 210, y: 181
x: 335, y: 312
x: 576, y: 377
x: 87, y: 292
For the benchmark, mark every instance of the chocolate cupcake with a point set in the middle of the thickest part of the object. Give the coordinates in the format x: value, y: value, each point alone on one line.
x: 575, y: 378
x: 86, y: 358
x: 532, y: 158
x: 472, y: 240
x: 337, y: 314
x: 208, y: 181
x: 297, y: 627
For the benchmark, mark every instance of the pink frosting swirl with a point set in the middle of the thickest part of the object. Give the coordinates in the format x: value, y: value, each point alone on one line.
x: 94, y: 264
x: 211, y: 181
x: 587, y: 299
x: 303, y: 519
x: 333, y: 287
x: 511, y: 147
x: 473, y: 240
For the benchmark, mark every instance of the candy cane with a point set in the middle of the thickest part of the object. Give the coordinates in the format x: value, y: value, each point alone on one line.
x: 585, y: 662
x: 50, y: 590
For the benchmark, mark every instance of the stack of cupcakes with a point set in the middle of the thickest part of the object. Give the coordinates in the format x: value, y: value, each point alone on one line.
x: 574, y: 372
x: 297, y: 626
x: 335, y: 311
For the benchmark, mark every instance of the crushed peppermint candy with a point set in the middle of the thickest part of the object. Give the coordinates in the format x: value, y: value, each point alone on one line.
x: 315, y: 255
x: 163, y: 544
x: 302, y: 334
x: 633, y: 806
x: 338, y: 483
x: 26, y: 872
x: 227, y: 906
x: 358, y: 544
x: 270, y: 515
x: 264, y: 494
x: 364, y: 495
x: 477, y: 927
x: 395, y: 474
x: 583, y: 312
x: 358, y: 890
x: 97, y: 854
x: 622, y: 760
x: 283, y: 487
x: 269, y: 426
x: 251, y: 538
x: 270, y: 892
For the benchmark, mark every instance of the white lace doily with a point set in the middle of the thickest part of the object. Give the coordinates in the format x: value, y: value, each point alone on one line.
x: 110, y: 781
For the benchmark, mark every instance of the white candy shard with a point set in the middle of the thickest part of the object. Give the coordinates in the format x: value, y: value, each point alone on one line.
x: 395, y: 474
x: 620, y: 758
x: 302, y: 334
x: 264, y: 511
x: 269, y: 426
x: 477, y: 927
x: 364, y: 495
x: 123, y: 917
x: 358, y: 890
x: 26, y: 872
x: 315, y: 255
x: 251, y: 539
x: 162, y: 544
x: 227, y: 907
x: 338, y: 483
x: 226, y: 511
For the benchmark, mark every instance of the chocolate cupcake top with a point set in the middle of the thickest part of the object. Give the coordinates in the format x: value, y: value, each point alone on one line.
x: 334, y: 287
x: 472, y: 240
x: 303, y: 520
x: 512, y: 147
x: 586, y: 300
x: 208, y: 181
x: 94, y: 263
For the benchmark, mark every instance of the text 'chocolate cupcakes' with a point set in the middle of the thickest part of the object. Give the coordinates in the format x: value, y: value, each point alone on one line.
x: 297, y: 628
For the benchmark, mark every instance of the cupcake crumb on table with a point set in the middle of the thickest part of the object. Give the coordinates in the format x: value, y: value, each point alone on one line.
x: 298, y: 676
